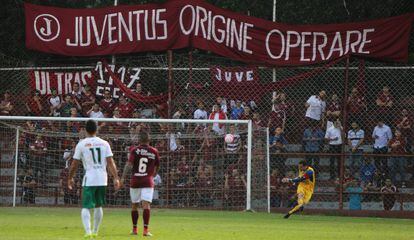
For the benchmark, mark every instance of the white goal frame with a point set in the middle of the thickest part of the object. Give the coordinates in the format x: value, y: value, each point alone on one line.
x: 194, y: 121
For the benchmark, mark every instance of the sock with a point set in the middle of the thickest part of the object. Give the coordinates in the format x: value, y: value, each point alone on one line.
x: 97, y: 219
x: 86, y: 220
x: 297, y: 207
x: 146, y: 216
x: 134, y: 216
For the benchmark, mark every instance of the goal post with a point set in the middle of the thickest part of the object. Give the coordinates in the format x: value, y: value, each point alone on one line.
x: 199, y: 142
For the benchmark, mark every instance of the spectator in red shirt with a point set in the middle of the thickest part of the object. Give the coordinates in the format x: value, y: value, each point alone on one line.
x: 87, y: 101
x: 234, y: 189
x: 6, y: 105
x: 204, y: 184
x: 183, y: 171
x: 279, y: 112
x: 388, y: 197
x: 356, y: 106
x: 405, y: 124
x: 257, y: 121
x: 397, y: 163
x: 107, y: 103
x: 38, y: 150
x: 34, y: 105
x: 385, y: 102
x: 218, y: 114
x: 333, y: 111
x: 125, y: 108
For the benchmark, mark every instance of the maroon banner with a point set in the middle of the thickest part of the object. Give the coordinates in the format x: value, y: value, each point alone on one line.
x: 119, y: 80
x: 192, y: 23
x: 237, y: 83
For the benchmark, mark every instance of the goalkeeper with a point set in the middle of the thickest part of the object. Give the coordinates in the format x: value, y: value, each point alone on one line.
x: 306, y: 184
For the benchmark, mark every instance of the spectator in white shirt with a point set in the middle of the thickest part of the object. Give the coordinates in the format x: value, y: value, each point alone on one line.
x: 200, y: 113
x: 55, y: 102
x: 157, y: 185
x: 355, y: 140
x: 95, y: 112
x: 77, y: 91
x: 381, y: 135
x: 315, y: 108
x: 334, y: 137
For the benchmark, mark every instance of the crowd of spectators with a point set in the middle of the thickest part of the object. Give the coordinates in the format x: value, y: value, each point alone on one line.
x: 383, y: 131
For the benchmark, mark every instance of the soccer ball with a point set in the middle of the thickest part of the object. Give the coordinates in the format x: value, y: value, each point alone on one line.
x: 229, y: 138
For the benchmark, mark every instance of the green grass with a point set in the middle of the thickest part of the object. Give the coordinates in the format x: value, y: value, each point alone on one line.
x: 65, y: 223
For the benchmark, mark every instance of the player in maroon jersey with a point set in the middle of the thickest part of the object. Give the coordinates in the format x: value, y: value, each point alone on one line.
x: 144, y: 162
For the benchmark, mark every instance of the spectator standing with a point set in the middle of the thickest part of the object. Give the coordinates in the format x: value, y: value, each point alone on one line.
x: 333, y: 111
x: 222, y: 104
x: 355, y: 140
x: 234, y: 189
x: 95, y: 112
x: 204, y: 184
x: 6, y: 104
x: 405, y: 124
x: 218, y: 114
x: 200, y: 113
x: 77, y: 92
x: 388, y: 197
x: 237, y: 111
x: 315, y: 108
x: 257, y: 121
x: 34, y: 105
x: 55, y: 103
x: 107, y: 103
x: 397, y: 163
x: 381, y: 135
x: 88, y: 100
x: 125, y: 108
x: 65, y: 110
x: 385, y: 103
x: 38, y: 150
x: 232, y: 149
x: 356, y: 106
x: 246, y: 114
x: 157, y: 185
x: 279, y: 112
x: 278, y: 144
x: 312, y: 142
x: 335, y: 140
x: 140, y: 91
x: 29, y: 184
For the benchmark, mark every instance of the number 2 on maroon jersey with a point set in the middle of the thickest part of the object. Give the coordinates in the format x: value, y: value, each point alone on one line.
x: 142, y: 166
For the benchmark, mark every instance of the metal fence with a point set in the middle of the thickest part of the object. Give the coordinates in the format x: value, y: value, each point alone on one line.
x: 357, y: 99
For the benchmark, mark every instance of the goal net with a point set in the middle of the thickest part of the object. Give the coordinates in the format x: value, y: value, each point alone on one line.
x: 199, y: 167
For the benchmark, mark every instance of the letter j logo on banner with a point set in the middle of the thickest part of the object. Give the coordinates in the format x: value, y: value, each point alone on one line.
x: 46, y: 27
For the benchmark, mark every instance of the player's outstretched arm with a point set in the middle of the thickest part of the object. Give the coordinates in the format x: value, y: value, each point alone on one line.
x: 72, y: 170
x: 127, y: 171
x: 114, y: 172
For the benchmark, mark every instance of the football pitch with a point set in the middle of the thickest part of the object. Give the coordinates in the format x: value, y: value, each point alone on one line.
x: 65, y: 223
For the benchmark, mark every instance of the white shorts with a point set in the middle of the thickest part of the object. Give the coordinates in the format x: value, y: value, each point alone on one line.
x: 141, y: 194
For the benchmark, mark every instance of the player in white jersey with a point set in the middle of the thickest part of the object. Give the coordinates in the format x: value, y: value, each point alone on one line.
x: 96, y: 155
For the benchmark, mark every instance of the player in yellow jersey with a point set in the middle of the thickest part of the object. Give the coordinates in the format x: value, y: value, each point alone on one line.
x: 306, y: 184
